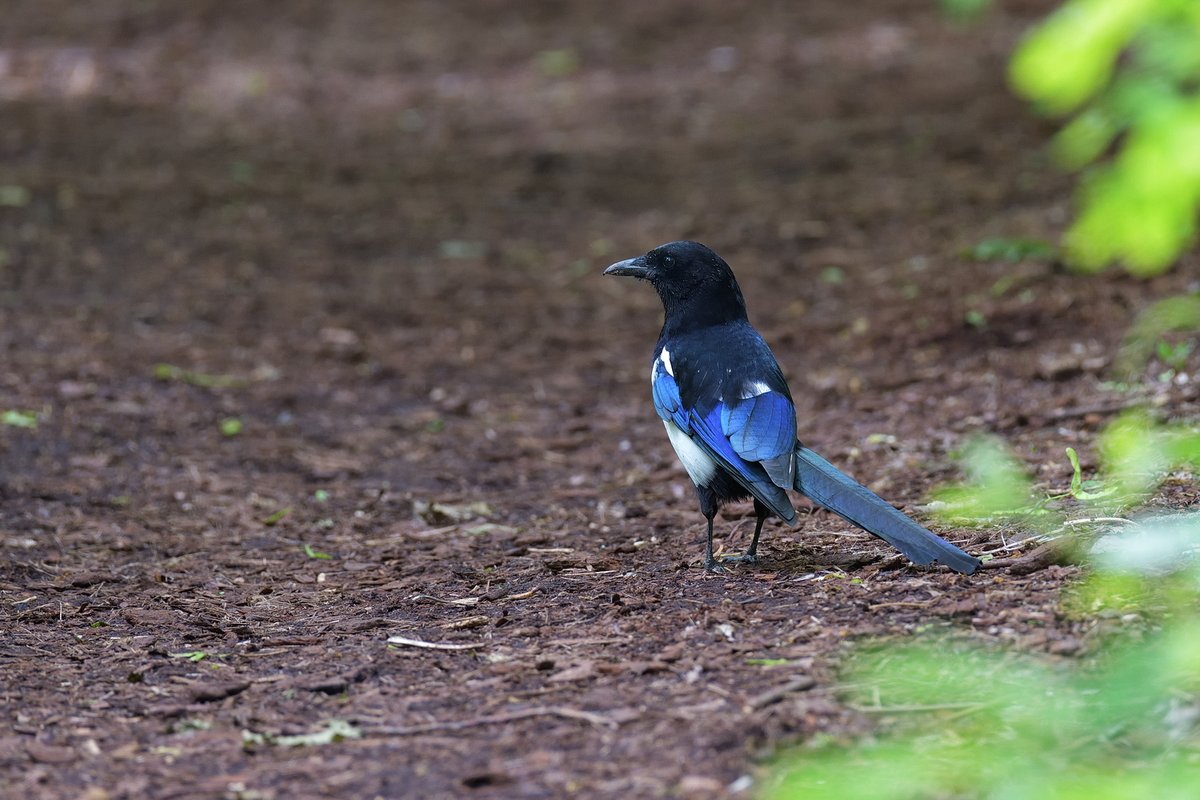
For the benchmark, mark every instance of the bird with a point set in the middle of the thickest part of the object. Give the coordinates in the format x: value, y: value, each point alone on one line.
x: 729, y: 414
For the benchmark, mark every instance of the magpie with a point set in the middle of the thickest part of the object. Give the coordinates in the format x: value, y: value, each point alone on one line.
x: 729, y: 414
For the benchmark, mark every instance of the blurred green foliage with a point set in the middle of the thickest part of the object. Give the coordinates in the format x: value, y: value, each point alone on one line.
x: 965, y: 10
x: 967, y: 721
x: 558, y: 63
x: 16, y: 418
x: 14, y: 196
x: 170, y: 372
x: 1011, y: 250
x: 1136, y: 455
x: 1128, y: 70
x: 971, y: 722
x: 1174, y: 314
x: 997, y: 488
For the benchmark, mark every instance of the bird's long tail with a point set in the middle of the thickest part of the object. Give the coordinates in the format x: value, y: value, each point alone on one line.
x: 826, y: 485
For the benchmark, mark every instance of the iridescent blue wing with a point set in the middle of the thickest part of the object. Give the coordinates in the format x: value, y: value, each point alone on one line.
x: 762, y: 428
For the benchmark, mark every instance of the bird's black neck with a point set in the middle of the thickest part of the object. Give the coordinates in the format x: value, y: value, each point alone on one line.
x: 702, y: 306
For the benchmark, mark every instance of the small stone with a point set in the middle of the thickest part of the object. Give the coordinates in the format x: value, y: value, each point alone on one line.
x: 50, y: 754
x: 74, y: 390
x: 341, y: 343
x: 1067, y: 646
x: 700, y: 786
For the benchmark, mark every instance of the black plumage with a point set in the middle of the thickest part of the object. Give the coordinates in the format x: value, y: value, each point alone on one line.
x: 730, y: 417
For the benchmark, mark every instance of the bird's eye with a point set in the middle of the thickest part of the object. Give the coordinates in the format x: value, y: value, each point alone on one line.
x: 668, y: 261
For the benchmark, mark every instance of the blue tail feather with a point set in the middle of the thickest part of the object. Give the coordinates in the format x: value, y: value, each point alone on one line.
x: 830, y: 488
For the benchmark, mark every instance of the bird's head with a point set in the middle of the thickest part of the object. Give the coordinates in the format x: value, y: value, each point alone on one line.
x: 694, y: 283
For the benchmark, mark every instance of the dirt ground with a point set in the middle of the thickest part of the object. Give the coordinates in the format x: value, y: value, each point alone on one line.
x: 371, y: 234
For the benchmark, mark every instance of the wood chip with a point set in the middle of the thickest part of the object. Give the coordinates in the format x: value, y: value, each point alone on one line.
x: 50, y: 754
x: 461, y: 601
x: 579, y: 672
x: 598, y: 720
x: 212, y: 692
x: 1054, y: 552
x: 798, y: 684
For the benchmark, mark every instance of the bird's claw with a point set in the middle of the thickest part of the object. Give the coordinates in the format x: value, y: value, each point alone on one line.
x: 714, y: 566
x: 744, y: 558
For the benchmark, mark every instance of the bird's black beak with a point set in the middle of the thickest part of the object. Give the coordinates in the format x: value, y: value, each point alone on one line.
x: 630, y: 267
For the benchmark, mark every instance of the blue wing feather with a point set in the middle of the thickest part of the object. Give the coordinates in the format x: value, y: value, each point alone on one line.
x: 751, y: 423
x: 760, y: 428
x: 666, y: 398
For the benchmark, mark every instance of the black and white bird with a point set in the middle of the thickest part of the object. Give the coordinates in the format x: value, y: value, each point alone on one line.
x: 729, y: 414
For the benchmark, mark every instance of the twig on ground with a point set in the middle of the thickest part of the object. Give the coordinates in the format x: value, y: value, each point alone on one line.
x: 1096, y: 520
x: 461, y: 601
x: 798, y: 684
x: 401, y: 640
x: 902, y: 604
x: 603, y: 640
x: 1018, y: 545
x: 597, y: 720
x: 1056, y: 551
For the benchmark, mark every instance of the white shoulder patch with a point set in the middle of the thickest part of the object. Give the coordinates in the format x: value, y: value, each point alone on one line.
x: 665, y: 358
x: 754, y: 389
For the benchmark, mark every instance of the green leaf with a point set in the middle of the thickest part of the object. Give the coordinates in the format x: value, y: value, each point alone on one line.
x: 335, y: 731
x: 1085, y: 138
x: 996, y: 488
x: 311, y: 553
x: 1012, y: 250
x: 1133, y: 454
x: 20, y: 419
x: 1173, y: 355
x: 277, y: 516
x: 170, y: 372
x: 1067, y: 59
x: 558, y: 63
x: 1179, y: 313
x: 1077, y: 483
x: 231, y: 426
x: 833, y: 275
x: 14, y: 196
x: 1128, y: 69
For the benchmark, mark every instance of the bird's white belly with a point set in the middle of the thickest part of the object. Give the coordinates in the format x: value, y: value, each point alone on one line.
x: 700, y: 468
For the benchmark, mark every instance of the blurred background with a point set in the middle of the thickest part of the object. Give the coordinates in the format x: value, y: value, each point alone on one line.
x: 414, y: 200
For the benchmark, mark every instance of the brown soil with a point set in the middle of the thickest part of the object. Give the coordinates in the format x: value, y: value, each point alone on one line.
x: 380, y: 226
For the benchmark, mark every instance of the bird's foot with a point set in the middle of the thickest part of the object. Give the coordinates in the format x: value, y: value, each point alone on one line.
x: 744, y: 558
x: 713, y: 566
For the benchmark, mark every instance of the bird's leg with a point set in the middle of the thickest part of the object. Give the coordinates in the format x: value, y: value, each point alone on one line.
x: 708, y: 507
x: 761, y: 513
x: 752, y: 554
x: 710, y: 563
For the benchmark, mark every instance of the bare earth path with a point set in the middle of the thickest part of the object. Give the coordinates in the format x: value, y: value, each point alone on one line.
x: 372, y: 233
